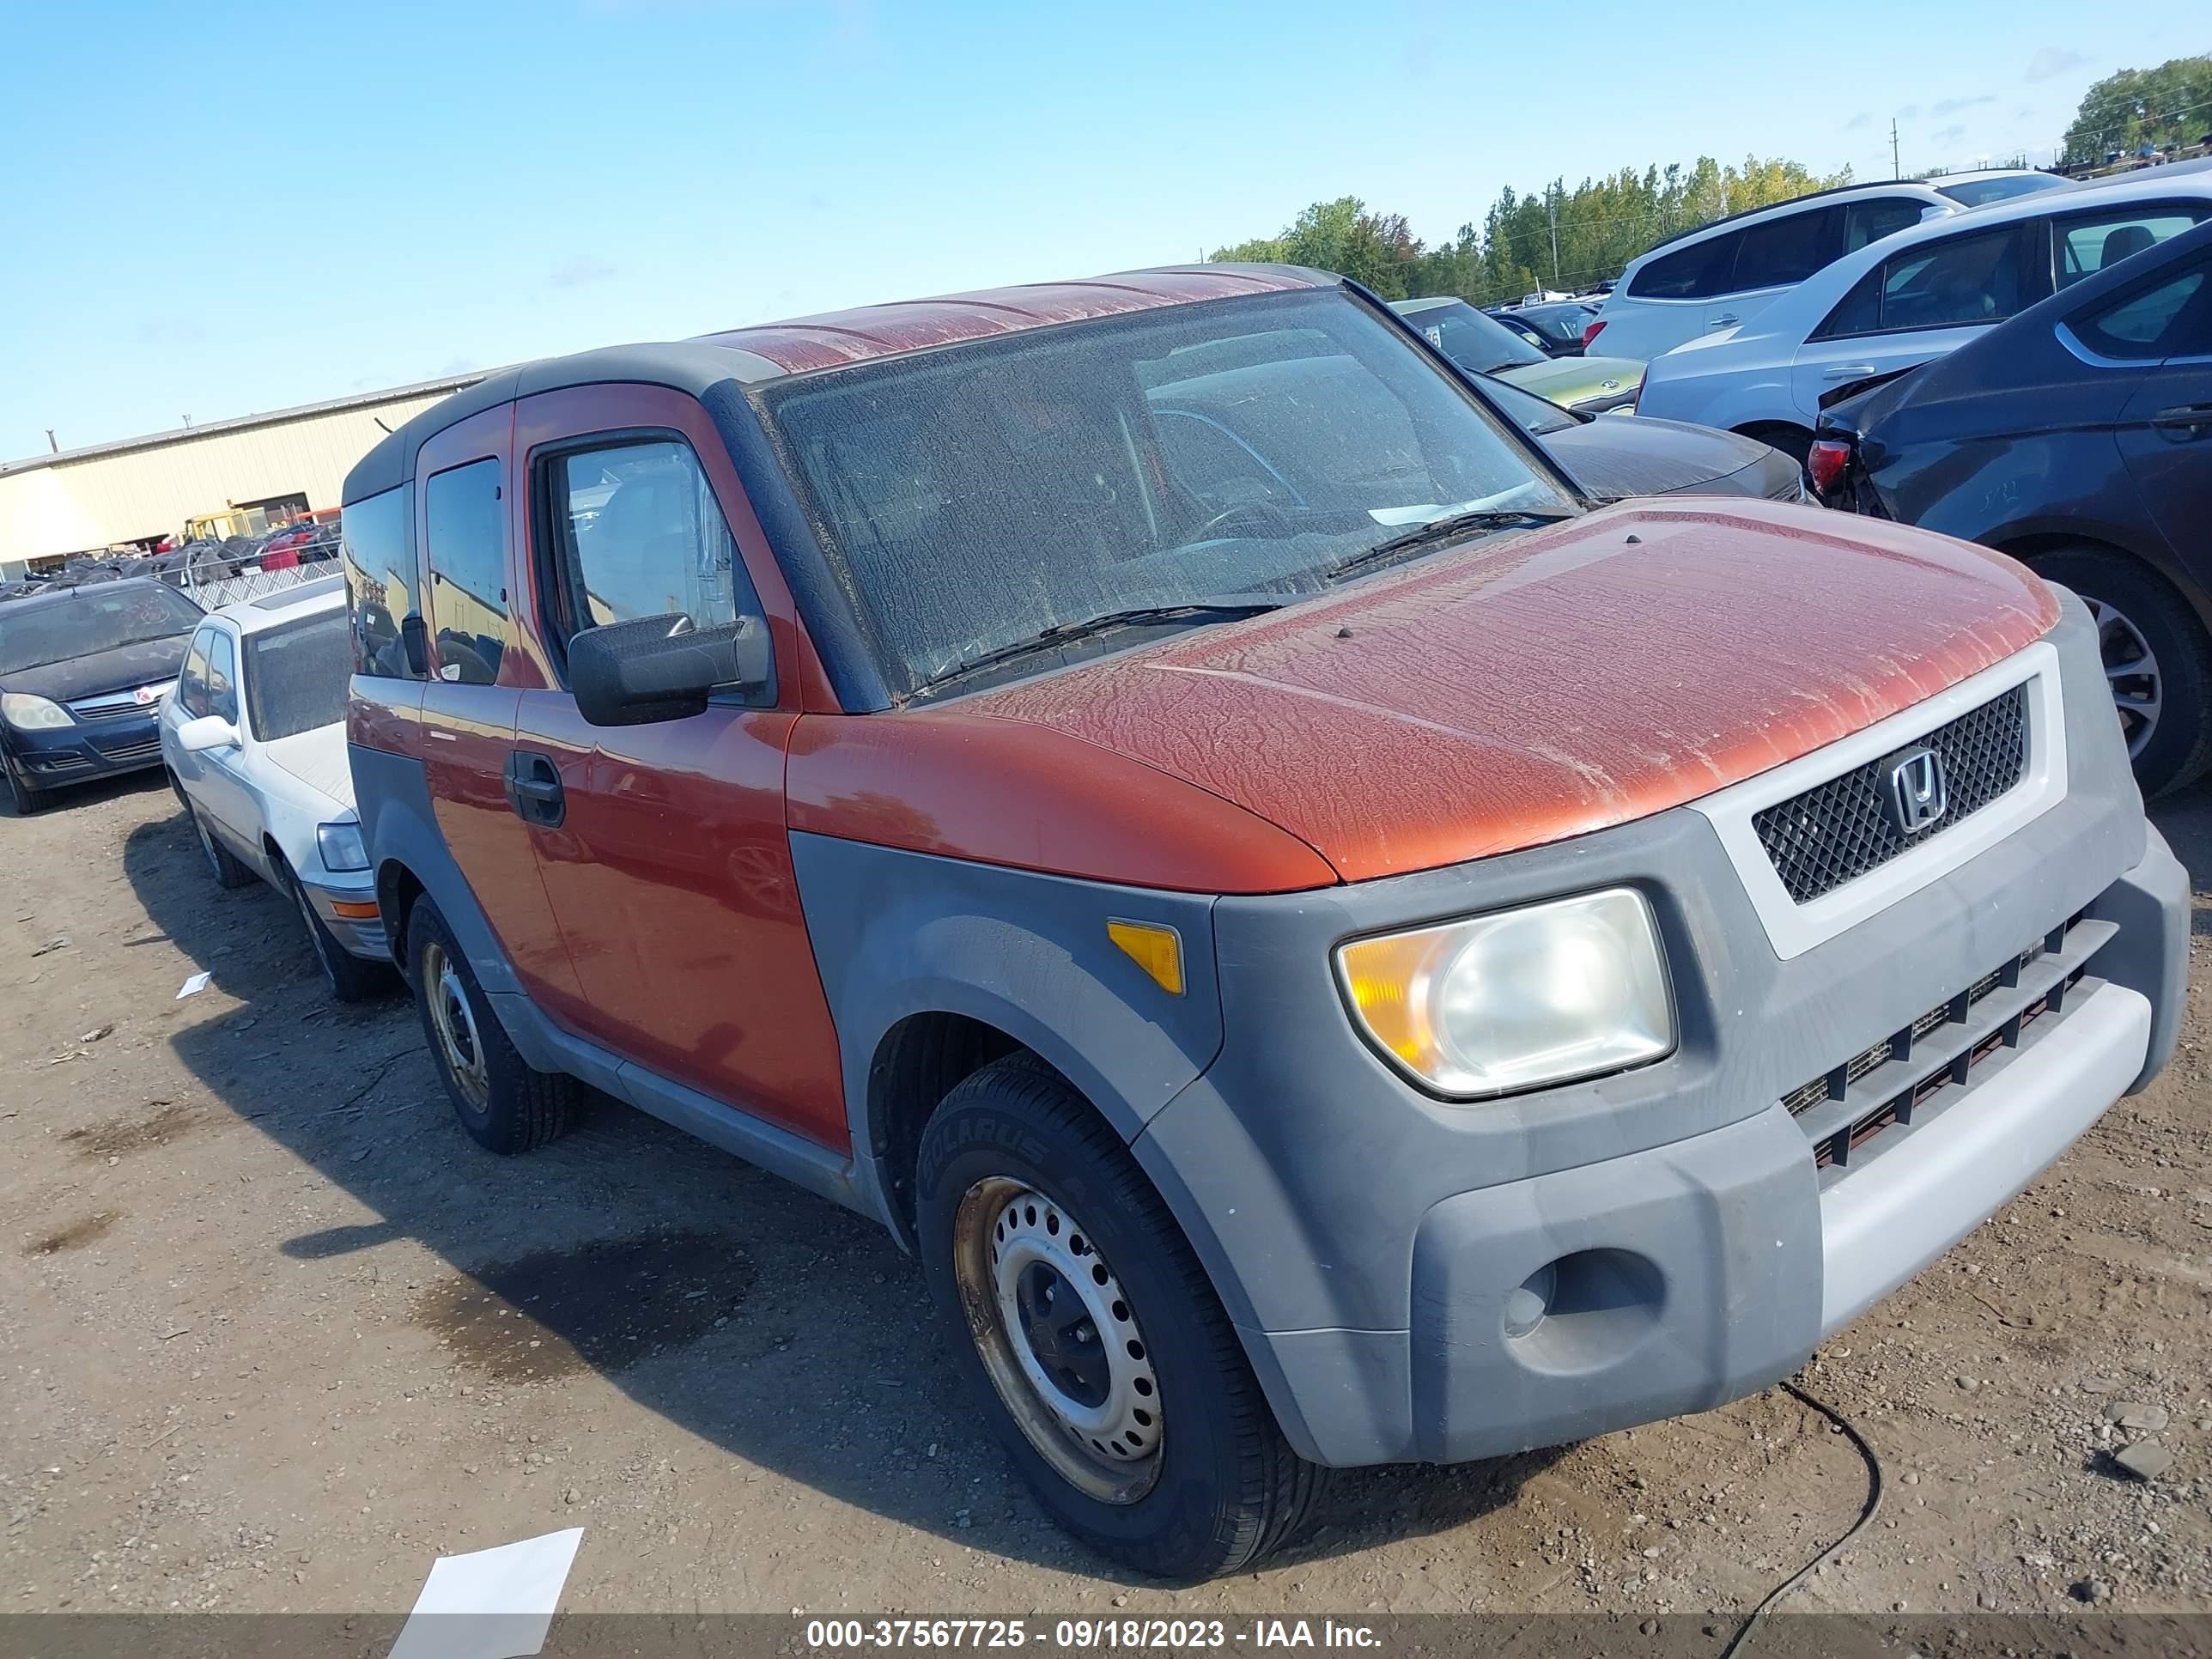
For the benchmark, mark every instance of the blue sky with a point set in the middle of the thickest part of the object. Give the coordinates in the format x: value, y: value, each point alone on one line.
x: 220, y: 207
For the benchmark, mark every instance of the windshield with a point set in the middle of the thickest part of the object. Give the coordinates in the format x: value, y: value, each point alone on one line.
x: 981, y: 495
x: 1479, y: 344
x: 295, y: 676
x: 89, y: 621
x: 1980, y: 192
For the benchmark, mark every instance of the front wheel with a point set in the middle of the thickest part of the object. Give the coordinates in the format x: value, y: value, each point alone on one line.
x: 1093, y: 1336
x: 23, y: 797
x: 504, y: 1104
x: 350, y: 978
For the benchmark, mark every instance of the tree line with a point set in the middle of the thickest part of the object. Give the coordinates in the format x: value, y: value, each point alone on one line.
x: 1557, y: 237
x: 2169, y: 105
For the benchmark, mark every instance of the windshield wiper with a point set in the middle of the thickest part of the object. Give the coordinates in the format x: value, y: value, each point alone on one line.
x: 1229, y: 608
x: 1446, y: 529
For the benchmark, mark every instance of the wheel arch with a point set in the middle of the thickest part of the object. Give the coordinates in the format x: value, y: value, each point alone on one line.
x: 2029, y: 545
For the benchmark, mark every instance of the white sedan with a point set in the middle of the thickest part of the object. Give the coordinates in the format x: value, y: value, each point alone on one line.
x: 1908, y: 298
x: 254, y: 737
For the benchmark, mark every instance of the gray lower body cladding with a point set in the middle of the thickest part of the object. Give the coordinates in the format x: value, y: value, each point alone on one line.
x: 1419, y: 1280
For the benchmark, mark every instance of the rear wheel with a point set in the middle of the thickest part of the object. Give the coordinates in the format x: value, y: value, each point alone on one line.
x: 1105, y: 1361
x: 2157, y: 662
x: 504, y: 1104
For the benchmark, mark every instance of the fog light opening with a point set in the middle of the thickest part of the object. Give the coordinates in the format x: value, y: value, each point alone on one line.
x: 1526, y: 1305
x: 1585, y: 1311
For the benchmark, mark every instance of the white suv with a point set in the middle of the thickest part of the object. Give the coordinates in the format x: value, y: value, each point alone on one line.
x: 1723, y: 274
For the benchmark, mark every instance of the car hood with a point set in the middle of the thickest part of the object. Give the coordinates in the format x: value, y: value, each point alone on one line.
x: 1572, y: 380
x: 1615, y: 458
x: 104, y: 671
x: 1542, y: 686
x: 318, y: 759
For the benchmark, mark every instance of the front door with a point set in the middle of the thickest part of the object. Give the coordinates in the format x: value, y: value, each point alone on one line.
x: 2166, y: 431
x: 465, y: 507
x: 669, y: 863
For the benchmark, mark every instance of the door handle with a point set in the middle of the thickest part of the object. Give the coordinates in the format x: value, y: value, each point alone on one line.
x: 1848, y: 372
x: 533, y: 788
x: 2185, y: 421
x: 1722, y: 322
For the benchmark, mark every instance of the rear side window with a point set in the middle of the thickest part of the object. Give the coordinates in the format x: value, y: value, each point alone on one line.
x: 1946, y: 284
x: 1869, y: 222
x: 2082, y: 247
x: 636, y: 531
x: 466, y: 525
x: 1689, y: 273
x: 379, y: 573
x: 1785, y: 250
x: 2170, y: 318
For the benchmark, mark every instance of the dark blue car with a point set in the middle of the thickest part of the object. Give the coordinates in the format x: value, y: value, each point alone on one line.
x: 82, y: 674
x: 2078, y: 437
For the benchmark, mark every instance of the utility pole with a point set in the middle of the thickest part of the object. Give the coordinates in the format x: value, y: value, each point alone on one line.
x: 1896, y: 171
x: 1552, y: 201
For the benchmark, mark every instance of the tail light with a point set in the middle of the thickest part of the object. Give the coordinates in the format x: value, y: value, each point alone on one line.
x: 1596, y: 326
x: 1826, y: 461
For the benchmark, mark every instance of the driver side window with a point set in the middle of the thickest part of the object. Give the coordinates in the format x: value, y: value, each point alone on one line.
x: 636, y: 531
x: 193, y: 680
x: 221, y: 675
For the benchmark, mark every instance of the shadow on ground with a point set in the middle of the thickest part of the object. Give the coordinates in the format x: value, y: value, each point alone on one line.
x: 771, y: 1323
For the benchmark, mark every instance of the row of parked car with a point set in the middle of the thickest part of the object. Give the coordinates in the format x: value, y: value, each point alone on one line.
x: 1334, y: 937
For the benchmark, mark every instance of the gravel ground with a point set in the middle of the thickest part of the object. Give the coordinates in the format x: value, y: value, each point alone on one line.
x: 275, y: 1334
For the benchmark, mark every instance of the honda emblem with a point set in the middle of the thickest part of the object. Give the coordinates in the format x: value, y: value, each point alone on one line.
x: 1915, y: 791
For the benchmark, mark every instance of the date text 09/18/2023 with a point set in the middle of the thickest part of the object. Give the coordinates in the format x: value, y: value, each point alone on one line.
x: 1083, y: 1635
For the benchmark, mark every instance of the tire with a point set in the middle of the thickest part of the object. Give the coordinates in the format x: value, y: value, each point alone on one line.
x: 229, y: 874
x: 1010, y: 1155
x: 24, y: 799
x: 2138, y: 611
x: 506, y: 1106
x: 350, y: 978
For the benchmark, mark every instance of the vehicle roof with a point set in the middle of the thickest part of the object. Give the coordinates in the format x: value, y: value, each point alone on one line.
x: 834, y: 339
x: 1887, y: 187
x: 1427, y: 302
x: 286, y: 605
x: 60, y: 591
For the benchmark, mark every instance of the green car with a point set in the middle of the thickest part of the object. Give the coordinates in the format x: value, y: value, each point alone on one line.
x: 1483, y: 345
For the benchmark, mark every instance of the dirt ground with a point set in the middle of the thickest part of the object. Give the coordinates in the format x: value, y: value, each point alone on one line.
x: 274, y: 1334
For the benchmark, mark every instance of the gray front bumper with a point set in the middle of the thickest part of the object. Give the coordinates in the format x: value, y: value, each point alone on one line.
x: 1380, y: 1251
x: 362, y: 937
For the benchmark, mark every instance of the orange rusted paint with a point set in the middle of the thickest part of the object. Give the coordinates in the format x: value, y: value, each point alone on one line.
x: 1549, y: 685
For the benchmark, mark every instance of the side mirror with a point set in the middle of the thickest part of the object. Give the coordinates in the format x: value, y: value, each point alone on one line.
x: 665, y: 668
x: 415, y: 641
x: 196, y: 736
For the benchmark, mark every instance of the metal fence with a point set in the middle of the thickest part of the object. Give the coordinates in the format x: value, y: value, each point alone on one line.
x: 216, y: 581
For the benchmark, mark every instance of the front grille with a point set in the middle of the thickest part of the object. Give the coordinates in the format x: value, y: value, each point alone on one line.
x: 113, y: 705
x: 1882, y: 1085
x: 1838, y: 831
x: 149, y: 749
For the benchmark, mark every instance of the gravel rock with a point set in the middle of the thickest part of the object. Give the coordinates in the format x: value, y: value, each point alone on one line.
x: 2146, y: 1460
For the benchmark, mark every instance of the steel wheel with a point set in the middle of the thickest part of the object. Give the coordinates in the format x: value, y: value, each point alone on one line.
x: 454, y: 1025
x: 1059, y: 1339
x: 2131, y: 671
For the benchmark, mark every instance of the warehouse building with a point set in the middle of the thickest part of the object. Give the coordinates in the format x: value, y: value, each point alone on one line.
x: 250, y: 471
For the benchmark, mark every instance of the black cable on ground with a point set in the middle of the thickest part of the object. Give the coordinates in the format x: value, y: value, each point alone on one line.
x: 1872, y: 1508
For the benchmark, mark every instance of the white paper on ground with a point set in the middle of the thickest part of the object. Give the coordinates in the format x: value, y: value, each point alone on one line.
x: 491, y: 1604
x: 194, y: 985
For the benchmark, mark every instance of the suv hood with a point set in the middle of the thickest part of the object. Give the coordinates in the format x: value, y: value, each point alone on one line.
x: 1543, y: 686
x: 118, y: 670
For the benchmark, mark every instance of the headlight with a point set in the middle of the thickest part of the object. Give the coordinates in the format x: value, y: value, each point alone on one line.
x: 1519, y: 999
x: 29, y: 713
x: 342, y: 847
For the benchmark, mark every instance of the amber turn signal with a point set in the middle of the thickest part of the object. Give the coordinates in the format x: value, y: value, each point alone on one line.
x: 1157, y: 950
x: 354, y: 909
